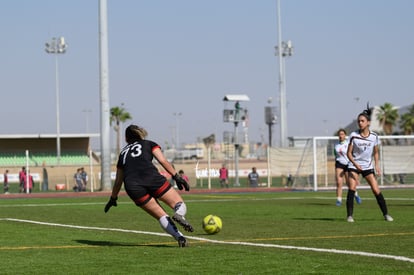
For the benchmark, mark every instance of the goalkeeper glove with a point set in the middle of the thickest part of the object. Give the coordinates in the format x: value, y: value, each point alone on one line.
x: 111, y: 202
x: 181, y: 183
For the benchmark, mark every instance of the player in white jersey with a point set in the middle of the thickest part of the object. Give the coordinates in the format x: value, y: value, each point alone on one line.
x: 341, y: 166
x: 362, y: 147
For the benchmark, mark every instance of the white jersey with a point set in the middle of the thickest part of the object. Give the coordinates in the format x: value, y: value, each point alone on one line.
x: 340, y: 151
x: 363, y: 149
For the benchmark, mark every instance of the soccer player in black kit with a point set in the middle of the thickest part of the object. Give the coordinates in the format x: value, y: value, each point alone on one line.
x: 145, y: 185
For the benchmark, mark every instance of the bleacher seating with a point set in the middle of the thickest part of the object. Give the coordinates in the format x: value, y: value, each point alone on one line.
x: 10, y: 159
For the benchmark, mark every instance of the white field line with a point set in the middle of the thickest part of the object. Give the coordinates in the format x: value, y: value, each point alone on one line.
x: 324, y: 250
x: 210, y: 198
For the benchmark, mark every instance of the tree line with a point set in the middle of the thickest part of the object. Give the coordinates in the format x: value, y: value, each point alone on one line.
x: 389, y: 117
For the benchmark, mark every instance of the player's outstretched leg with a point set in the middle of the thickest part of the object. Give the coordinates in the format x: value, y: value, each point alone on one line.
x: 179, y: 216
x: 357, y: 198
x: 168, y: 225
x: 182, y: 242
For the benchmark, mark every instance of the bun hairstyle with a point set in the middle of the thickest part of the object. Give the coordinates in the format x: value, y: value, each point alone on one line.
x: 367, y: 112
x: 135, y: 133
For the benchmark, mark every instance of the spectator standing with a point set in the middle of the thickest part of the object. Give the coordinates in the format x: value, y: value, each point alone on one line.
x: 78, y: 181
x: 22, y: 179
x: 183, y: 176
x: 253, y: 178
x: 84, y: 177
x: 289, y: 181
x: 224, y: 176
x: 6, y: 182
x: 45, y: 184
x: 28, y: 184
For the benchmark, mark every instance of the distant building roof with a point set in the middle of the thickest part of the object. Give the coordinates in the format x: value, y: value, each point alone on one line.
x: 236, y: 98
x: 23, y: 136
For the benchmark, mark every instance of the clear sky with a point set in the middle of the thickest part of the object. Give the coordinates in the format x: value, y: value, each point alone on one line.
x: 184, y: 56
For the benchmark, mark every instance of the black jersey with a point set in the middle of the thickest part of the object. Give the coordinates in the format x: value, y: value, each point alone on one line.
x: 135, y: 160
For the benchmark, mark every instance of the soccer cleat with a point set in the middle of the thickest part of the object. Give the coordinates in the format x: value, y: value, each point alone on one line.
x: 182, y: 221
x: 388, y: 218
x: 358, y: 199
x: 350, y: 219
x: 182, y: 242
x: 338, y: 203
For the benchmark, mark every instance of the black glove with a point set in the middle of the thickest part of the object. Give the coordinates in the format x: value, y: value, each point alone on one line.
x: 181, y: 183
x: 111, y: 202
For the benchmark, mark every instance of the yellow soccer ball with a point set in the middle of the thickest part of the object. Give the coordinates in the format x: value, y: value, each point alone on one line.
x: 212, y: 224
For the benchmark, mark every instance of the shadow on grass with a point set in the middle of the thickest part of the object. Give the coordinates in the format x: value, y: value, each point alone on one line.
x: 109, y: 243
x: 318, y: 219
x: 319, y: 204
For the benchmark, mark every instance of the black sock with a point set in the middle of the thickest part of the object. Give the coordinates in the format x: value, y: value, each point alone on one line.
x: 382, y: 204
x: 350, y: 202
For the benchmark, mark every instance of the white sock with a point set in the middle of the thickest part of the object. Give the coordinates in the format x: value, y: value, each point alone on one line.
x: 180, y: 208
x: 356, y: 194
x: 339, y: 199
x: 169, y: 227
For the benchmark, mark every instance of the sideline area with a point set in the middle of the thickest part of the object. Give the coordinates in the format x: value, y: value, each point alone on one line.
x: 242, y: 243
x: 69, y: 194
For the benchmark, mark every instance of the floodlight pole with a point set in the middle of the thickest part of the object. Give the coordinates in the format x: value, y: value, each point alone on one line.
x: 283, y: 49
x: 177, y: 133
x: 27, y: 176
x: 236, y: 151
x: 57, y: 46
x: 270, y: 119
x: 105, y: 111
x: 87, y: 112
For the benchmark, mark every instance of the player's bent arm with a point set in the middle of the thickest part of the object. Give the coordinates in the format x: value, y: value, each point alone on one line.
x: 376, y: 159
x: 349, y: 155
x: 118, y: 183
x: 164, y: 162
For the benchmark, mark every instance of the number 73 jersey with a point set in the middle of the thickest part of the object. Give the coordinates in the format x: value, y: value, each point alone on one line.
x: 136, y: 159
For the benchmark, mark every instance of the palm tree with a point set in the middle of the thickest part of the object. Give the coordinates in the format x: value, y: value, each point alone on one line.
x: 118, y: 116
x: 407, y: 121
x: 387, y: 116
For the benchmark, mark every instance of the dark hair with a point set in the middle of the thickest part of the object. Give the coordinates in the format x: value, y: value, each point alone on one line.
x: 341, y: 130
x: 134, y: 133
x: 181, y: 172
x: 366, y: 113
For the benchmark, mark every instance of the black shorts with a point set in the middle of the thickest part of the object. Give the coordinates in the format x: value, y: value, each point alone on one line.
x: 364, y: 173
x: 341, y: 166
x: 142, y: 194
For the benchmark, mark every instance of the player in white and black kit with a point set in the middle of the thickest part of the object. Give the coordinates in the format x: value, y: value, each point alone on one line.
x: 363, y: 145
x: 145, y: 185
x: 341, y: 166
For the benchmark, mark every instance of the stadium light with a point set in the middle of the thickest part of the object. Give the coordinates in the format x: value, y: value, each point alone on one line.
x: 87, y: 113
x: 270, y: 118
x: 283, y: 49
x: 236, y: 115
x: 57, y: 46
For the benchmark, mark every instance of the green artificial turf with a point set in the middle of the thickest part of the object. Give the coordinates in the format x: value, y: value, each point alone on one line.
x: 263, y: 233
